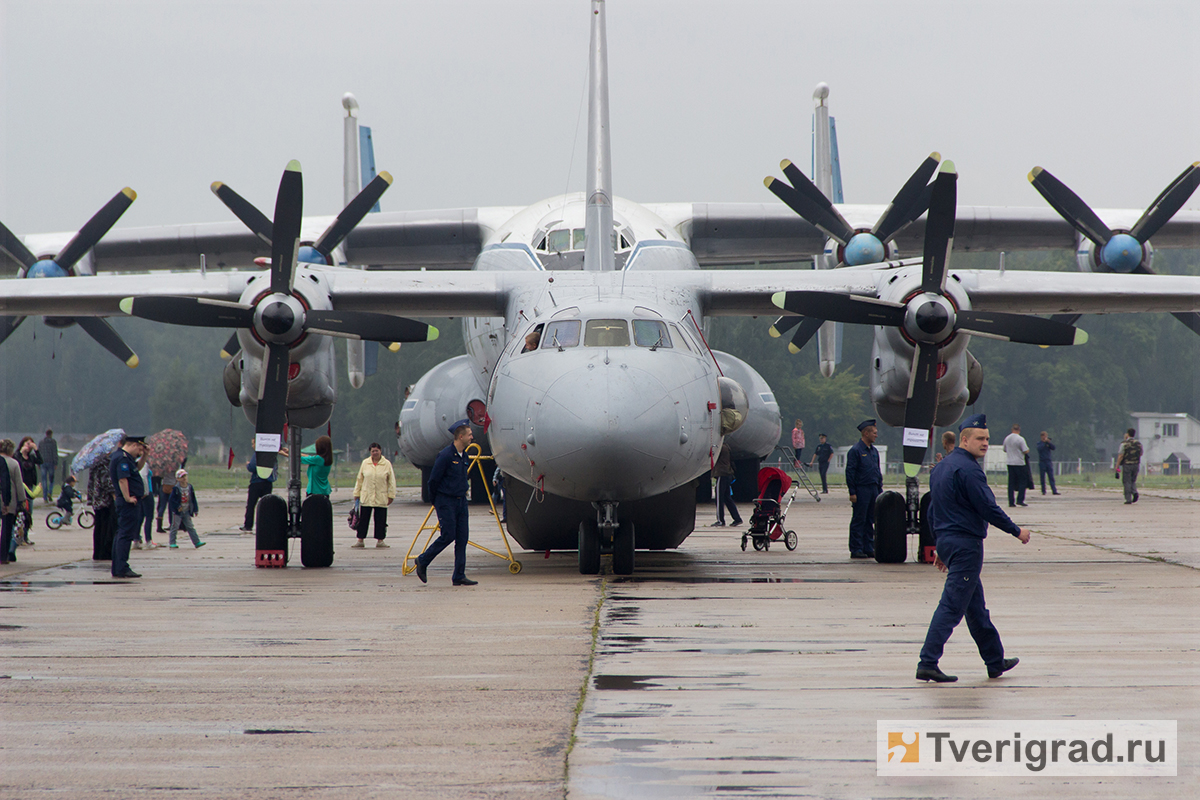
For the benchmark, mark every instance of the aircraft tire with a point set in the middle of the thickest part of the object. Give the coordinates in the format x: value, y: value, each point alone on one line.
x: 271, y: 524
x: 316, y: 531
x: 624, y: 547
x: 891, y: 541
x: 925, y: 538
x: 589, y: 548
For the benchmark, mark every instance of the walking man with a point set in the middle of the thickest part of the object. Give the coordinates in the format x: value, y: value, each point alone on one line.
x: 821, y: 455
x: 48, y: 447
x: 1015, y: 451
x: 864, y: 481
x: 1129, y: 461
x: 960, y: 509
x: 1046, y: 462
x: 448, y: 488
x: 123, y: 469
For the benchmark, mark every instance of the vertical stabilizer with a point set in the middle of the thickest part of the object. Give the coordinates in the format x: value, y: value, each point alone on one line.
x: 598, y: 249
x: 827, y: 175
x: 355, y: 357
x: 366, y: 147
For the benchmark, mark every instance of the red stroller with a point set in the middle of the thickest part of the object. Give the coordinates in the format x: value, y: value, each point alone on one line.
x: 766, y: 523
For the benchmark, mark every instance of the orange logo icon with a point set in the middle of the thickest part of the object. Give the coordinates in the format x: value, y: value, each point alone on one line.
x: 903, y: 747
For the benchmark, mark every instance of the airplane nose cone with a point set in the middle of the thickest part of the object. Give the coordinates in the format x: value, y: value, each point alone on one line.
x: 606, y: 432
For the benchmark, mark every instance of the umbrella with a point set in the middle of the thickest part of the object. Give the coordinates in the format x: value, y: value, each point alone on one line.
x: 97, y: 449
x: 166, y: 451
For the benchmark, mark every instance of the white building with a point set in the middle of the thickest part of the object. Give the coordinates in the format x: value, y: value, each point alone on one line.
x: 1168, y: 440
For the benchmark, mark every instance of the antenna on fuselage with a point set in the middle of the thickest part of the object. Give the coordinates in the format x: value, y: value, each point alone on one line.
x: 598, y: 248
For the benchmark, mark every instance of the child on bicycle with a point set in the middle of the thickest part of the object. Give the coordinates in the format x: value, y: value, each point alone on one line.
x: 66, y: 500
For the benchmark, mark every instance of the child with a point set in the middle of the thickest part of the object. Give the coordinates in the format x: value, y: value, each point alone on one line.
x: 183, y: 507
x: 66, y: 500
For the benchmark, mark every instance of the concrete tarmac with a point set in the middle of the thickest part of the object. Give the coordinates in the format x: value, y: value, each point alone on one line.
x: 716, y: 672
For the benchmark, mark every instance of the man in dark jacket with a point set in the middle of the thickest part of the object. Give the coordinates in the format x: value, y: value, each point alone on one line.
x: 864, y: 481
x: 723, y: 472
x: 1046, y: 461
x: 960, y: 508
x: 448, y: 488
x: 48, y: 447
x: 823, y: 453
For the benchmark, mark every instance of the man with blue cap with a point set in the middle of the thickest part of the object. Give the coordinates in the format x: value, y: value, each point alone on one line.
x: 960, y: 507
x: 448, y: 488
x: 124, y: 469
x: 864, y: 481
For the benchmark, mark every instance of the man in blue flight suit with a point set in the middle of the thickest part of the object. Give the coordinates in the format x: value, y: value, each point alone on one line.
x: 864, y: 481
x: 448, y: 488
x: 960, y: 509
x: 123, y: 468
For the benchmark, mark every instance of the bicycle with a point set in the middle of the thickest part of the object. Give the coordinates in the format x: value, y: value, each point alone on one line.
x: 59, y: 517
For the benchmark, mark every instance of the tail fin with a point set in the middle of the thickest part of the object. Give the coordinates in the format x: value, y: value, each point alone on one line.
x: 598, y: 255
x: 362, y: 358
x: 827, y: 175
x: 366, y: 148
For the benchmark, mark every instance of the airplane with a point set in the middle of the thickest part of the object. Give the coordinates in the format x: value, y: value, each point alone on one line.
x: 603, y: 428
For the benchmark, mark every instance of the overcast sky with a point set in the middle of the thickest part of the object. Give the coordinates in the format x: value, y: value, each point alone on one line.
x: 478, y: 103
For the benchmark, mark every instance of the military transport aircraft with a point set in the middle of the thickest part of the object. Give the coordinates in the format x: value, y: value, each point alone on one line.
x: 603, y: 421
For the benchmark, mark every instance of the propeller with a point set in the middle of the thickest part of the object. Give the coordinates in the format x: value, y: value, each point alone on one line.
x: 808, y: 327
x: 279, y: 319
x: 321, y: 251
x: 1120, y: 251
x: 928, y: 318
x: 63, y: 264
x: 857, y: 246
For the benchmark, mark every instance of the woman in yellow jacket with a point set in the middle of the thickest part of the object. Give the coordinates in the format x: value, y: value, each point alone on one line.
x: 375, y: 489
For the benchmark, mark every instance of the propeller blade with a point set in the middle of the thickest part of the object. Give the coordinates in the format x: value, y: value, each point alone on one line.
x: 1189, y: 318
x: 939, y: 229
x: 352, y: 214
x: 784, y: 324
x: 369, y: 326
x: 809, y: 190
x: 244, y: 210
x: 921, y: 408
x: 1019, y: 328
x: 272, y: 409
x: 808, y: 329
x: 285, y: 241
x: 8, y: 325
x: 99, y: 329
x: 1167, y: 203
x: 1069, y: 206
x: 15, y: 248
x: 95, y: 228
x: 900, y: 212
x: 837, y: 307
x: 834, y: 227
x: 232, y: 347
x: 190, y: 311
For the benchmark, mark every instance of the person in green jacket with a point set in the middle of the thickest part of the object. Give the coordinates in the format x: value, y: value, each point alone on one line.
x: 318, y: 467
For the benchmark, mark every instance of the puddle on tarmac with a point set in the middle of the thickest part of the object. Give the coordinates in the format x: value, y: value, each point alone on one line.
x: 627, y: 682
x: 692, y: 579
x: 263, y: 731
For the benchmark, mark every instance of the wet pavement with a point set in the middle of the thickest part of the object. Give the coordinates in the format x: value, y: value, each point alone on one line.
x: 716, y: 672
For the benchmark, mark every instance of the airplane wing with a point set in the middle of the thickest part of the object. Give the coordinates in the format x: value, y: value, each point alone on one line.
x: 439, y: 239
x: 738, y: 233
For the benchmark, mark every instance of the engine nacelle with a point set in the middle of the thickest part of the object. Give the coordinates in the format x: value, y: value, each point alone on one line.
x: 760, y: 431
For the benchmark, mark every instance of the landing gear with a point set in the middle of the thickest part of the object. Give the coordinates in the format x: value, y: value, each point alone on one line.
x: 271, y: 532
x: 624, y: 545
x: 589, y: 548
x: 316, y: 531
x: 891, y: 542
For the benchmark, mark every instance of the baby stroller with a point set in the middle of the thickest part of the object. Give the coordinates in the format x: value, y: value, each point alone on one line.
x: 766, y: 523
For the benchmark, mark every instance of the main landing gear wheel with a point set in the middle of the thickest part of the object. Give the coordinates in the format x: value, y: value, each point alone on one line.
x: 271, y: 525
x: 789, y: 539
x: 624, y: 545
x: 891, y: 528
x: 316, y: 531
x: 589, y: 548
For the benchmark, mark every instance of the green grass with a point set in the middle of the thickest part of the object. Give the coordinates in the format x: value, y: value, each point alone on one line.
x: 207, y: 476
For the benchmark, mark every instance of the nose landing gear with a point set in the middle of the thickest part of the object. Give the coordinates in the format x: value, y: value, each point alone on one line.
x: 606, y: 535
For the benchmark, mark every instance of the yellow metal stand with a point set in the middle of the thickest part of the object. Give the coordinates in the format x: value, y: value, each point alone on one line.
x: 477, y: 460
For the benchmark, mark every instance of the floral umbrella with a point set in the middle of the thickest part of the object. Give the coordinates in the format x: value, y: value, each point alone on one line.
x: 97, y: 449
x: 166, y: 451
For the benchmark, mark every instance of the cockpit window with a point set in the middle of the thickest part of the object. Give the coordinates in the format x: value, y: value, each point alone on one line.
x: 606, y: 333
x: 558, y: 241
x: 565, y: 239
x: 651, y: 333
x: 683, y: 338
x: 564, y: 333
